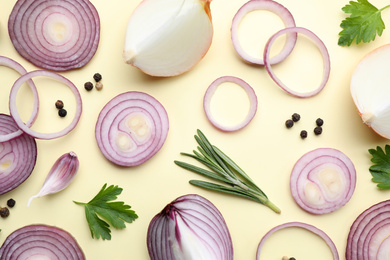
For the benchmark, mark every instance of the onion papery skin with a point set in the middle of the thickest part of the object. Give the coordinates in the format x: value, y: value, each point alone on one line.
x: 267, y: 5
x: 17, y: 156
x: 26, y: 127
x: 7, y: 62
x: 322, y: 48
x: 369, y: 234
x: 47, y: 242
x: 323, y: 180
x: 248, y: 90
x: 166, y: 38
x: 57, y: 35
x: 370, y: 91
x: 308, y: 227
x: 190, y: 227
x: 130, y: 145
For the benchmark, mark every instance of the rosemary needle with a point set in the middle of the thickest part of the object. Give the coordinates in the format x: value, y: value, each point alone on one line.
x: 224, y: 170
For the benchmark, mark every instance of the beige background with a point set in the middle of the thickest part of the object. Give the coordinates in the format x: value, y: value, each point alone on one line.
x: 265, y: 149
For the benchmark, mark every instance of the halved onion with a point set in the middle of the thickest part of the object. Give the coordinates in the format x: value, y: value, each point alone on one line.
x: 190, y: 227
x: 131, y: 128
x: 323, y: 180
x: 369, y: 234
x: 17, y: 156
x: 275, y: 8
x: 308, y: 227
x: 40, y: 242
x: 7, y: 62
x: 25, y: 127
x: 321, y: 46
x: 55, y: 35
x: 210, y: 92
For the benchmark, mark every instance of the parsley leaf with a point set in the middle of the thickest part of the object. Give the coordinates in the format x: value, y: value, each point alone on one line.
x: 363, y: 24
x: 380, y: 170
x: 101, y: 210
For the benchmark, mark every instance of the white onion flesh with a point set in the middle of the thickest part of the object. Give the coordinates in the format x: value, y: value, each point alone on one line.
x: 168, y: 37
x: 248, y: 90
x: 267, y: 5
x: 191, y: 228
x: 323, y: 180
x: 322, y: 48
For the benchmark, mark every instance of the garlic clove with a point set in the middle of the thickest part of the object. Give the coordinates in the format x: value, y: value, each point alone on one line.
x: 60, y: 175
x: 168, y: 37
x: 370, y: 90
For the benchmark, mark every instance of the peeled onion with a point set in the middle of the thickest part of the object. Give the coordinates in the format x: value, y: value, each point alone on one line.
x: 370, y: 91
x: 168, y: 37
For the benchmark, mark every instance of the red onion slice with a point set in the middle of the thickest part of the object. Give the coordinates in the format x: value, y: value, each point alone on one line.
x: 308, y: 227
x: 26, y: 128
x: 17, y: 156
x: 40, y: 242
x: 273, y: 7
x: 321, y: 46
x: 55, y: 35
x: 131, y: 128
x: 7, y: 62
x: 323, y: 180
x: 369, y: 234
x: 190, y: 227
x: 249, y: 91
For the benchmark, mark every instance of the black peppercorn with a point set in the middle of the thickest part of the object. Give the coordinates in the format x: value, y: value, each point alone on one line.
x: 318, y: 130
x: 292, y: 258
x: 295, y: 117
x: 97, y: 77
x: 289, y: 123
x: 88, y: 85
x: 319, y: 122
x: 11, y: 203
x: 59, y: 104
x: 4, y: 212
x: 303, y: 134
x: 62, y: 112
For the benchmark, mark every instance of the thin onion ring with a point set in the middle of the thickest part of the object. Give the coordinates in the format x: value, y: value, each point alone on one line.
x: 24, y: 127
x: 7, y: 62
x: 248, y: 90
x: 275, y: 8
x: 321, y: 46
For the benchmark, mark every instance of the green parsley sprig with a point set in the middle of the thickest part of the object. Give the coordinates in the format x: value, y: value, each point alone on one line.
x: 223, y: 170
x: 363, y: 24
x: 380, y: 170
x: 101, y: 210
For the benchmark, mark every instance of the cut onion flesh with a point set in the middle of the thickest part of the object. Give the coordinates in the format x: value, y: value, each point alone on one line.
x: 55, y: 35
x: 190, y: 227
x: 40, y: 242
x: 267, y: 5
x: 370, y: 91
x: 248, y: 90
x: 323, y: 180
x: 131, y: 128
x: 322, y: 48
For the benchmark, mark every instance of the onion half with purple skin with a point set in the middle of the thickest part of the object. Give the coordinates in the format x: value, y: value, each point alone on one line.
x: 40, y: 242
x: 17, y: 156
x: 190, y: 227
x: 308, y: 227
x: 267, y: 5
x: 55, y: 35
x: 131, y: 128
x: 369, y: 235
x: 323, y: 180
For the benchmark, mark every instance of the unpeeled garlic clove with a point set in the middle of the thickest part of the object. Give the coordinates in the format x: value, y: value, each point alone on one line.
x: 168, y: 37
x: 60, y: 175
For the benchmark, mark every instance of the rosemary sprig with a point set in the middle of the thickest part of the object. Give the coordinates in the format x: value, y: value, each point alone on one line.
x: 223, y: 169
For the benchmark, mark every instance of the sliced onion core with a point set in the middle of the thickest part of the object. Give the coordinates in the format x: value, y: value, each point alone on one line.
x: 131, y: 128
x: 308, y: 227
x: 321, y: 46
x: 248, y: 90
x: 26, y: 128
x: 323, y: 180
x: 273, y: 7
x: 55, y: 35
x: 40, y: 242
